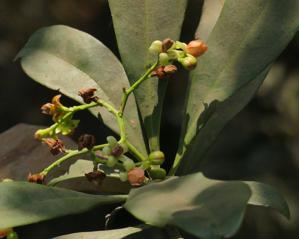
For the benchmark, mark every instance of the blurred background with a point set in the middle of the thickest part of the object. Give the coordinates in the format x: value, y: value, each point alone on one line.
x: 260, y: 143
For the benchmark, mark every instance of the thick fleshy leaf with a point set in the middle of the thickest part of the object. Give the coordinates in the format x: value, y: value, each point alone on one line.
x: 24, y: 203
x: 248, y: 36
x: 203, y: 207
x: 74, y: 179
x: 210, y: 13
x: 142, y: 232
x: 137, y: 24
x: 267, y: 196
x: 66, y: 59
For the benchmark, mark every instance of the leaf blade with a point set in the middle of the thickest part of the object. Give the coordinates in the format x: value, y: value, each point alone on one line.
x: 23, y: 203
x: 63, y: 58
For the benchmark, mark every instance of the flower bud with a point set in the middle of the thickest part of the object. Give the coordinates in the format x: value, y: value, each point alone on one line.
x: 48, y: 109
x: 86, y: 141
x: 36, y: 178
x: 189, y: 62
x: 157, y: 173
x: 117, y: 150
x: 136, y: 176
x: 128, y: 164
x: 166, y: 44
x: 155, y: 47
x: 156, y: 157
x: 12, y: 235
x: 111, y: 141
x: 196, y: 48
x: 106, y: 150
x: 180, y: 46
x: 111, y: 161
x: 88, y: 95
x: 123, y: 176
x: 163, y: 59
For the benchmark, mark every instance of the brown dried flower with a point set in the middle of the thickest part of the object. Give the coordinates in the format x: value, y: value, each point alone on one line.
x: 117, y: 150
x: 56, y: 145
x: 88, y: 95
x: 166, y: 44
x: 163, y: 72
x: 36, y: 178
x: 95, y: 177
x: 86, y: 141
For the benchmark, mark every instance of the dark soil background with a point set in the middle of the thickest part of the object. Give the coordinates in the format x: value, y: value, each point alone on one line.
x: 261, y: 143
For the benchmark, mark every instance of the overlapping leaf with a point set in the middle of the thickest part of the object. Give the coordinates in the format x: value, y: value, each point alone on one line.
x: 248, y: 37
x: 24, y: 203
x: 65, y: 59
x: 203, y: 207
x: 137, y: 24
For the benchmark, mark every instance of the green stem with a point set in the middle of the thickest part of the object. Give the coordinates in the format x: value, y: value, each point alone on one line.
x: 135, y: 152
x: 127, y: 92
x: 69, y: 155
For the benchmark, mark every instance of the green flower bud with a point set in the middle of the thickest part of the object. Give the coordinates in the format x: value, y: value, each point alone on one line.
x: 107, y: 150
x: 155, y: 47
x: 156, y: 157
x: 157, y: 173
x: 180, y: 45
x: 12, y: 235
x: 111, y: 161
x: 146, y: 164
x: 123, y: 176
x: 189, y: 62
x: 163, y: 59
x: 129, y: 164
x: 111, y: 141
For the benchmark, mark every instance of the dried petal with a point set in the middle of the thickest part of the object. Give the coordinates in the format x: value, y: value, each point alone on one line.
x: 88, y: 95
x: 56, y: 145
x: 166, y: 44
x: 36, y: 178
x: 95, y: 177
x: 86, y: 141
x: 170, y: 69
x: 48, y: 109
x: 136, y: 177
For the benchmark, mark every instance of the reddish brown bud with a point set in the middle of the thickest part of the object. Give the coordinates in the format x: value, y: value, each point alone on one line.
x: 36, y: 178
x: 48, y: 109
x: 164, y: 71
x: 88, y: 95
x: 196, y: 48
x: 95, y: 177
x: 136, y: 176
x: 56, y: 145
x: 117, y: 150
x: 86, y: 141
x: 166, y: 44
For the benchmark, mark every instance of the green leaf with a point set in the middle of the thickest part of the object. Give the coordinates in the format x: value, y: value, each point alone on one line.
x: 65, y: 59
x: 137, y: 24
x: 24, y: 203
x: 74, y: 179
x: 248, y: 36
x: 141, y: 232
x: 203, y: 207
x: 267, y: 196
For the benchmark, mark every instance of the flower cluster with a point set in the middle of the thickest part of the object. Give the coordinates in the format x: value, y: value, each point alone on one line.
x: 170, y: 51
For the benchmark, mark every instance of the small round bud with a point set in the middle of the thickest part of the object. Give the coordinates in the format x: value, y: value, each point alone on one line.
x: 111, y: 161
x: 107, y: 150
x: 157, y: 173
x: 12, y: 235
x: 123, y: 176
x: 128, y: 164
x: 163, y: 59
x: 111, y: 141
x: 155, y: 47
x: 117, y: 150
x: 180, y: 46
x: 156, y: 157
x: 189, y: 62
x: 196, y: 48
x: 136, y: 176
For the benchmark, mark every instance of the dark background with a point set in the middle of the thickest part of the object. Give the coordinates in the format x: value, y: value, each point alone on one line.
x: 261, y: 143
